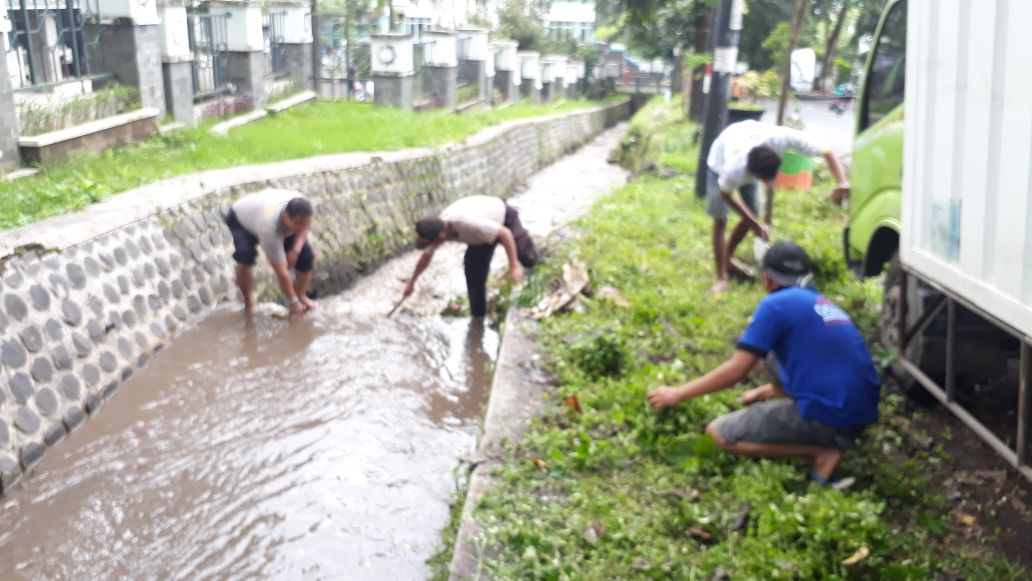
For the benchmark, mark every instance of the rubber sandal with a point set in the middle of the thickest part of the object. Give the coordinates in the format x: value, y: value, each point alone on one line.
x: 834, y: 483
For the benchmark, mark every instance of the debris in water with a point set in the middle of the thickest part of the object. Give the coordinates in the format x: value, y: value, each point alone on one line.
x: 575, y: 279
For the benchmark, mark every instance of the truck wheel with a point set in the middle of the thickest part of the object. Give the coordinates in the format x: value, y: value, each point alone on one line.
x: 888, y: 326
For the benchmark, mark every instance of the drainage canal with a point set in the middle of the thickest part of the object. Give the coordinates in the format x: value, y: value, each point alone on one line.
x: 325, y: 449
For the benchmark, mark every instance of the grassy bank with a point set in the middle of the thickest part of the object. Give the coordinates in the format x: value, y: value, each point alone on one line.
x: 315, y: 129
x: 602, y: 487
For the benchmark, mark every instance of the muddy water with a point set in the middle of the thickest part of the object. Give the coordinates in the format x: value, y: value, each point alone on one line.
x: 324, y: 449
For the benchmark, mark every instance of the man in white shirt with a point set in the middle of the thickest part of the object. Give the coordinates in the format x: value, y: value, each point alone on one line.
x: 742, y: 155
x: 481, y: 222
x: 279, y: 221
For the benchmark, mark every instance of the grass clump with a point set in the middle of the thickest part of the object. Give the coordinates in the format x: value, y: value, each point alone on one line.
x: 313, y: 129
x: 609, y: 489
x: 38, y: 116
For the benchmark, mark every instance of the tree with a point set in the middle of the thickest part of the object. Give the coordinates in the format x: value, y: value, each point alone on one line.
x: 761, y: 19
x: 796, y: 26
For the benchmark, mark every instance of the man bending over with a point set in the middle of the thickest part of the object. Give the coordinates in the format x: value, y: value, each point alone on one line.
x: 481, y: 222
x: 743, y: 154
x: 278, y: 221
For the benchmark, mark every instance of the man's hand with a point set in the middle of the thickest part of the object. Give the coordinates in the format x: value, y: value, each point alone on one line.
x: 292, y: 257
x: 664, y: 397
x: 516, y: 273
x: 762, y: 231
x: 297, y: 311
x: 409, y: 288
x: 757, y: 394
x: 839, y: 194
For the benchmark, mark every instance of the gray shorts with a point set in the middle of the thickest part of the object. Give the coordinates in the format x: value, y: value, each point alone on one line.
x: 715, y: 204
x: 777, y: 421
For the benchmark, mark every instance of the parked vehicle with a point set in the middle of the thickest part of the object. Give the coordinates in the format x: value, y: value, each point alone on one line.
x: 942, y: 204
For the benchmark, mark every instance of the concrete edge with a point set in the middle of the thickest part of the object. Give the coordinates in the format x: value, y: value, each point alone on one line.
x: 224, y: 127
x: 45, y: 139
x: 291, y: 101
x: 515, y: 398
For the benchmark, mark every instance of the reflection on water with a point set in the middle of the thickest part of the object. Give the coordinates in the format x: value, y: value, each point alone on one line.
x: 323, y: 449
x: 264, y: 450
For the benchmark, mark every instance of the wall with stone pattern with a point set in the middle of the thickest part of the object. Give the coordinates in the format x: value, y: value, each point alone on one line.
x: 88, y: 298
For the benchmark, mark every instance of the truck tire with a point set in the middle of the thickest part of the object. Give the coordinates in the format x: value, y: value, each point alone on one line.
x: 888, y: 326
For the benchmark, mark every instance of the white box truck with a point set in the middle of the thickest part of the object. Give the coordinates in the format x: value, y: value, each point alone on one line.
x: 942, y: 203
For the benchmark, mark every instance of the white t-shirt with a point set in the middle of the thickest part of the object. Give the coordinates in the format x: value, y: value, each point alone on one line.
x: 476, y: 219
x: 730, y: 152
x: 259, y: 213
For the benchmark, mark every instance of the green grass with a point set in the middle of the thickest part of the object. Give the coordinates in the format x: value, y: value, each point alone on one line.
x: 620, y: 491
x: 315, y: 129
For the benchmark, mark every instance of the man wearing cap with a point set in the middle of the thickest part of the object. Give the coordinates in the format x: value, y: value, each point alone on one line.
x: 745, y: 153
x: 481, y: 222
x: 826, y: 390
x: 279, y: 222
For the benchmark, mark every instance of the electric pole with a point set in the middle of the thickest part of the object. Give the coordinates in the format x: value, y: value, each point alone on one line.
x: 725, y: 56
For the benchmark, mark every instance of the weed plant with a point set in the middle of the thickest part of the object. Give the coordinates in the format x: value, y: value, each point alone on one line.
x: 602, y: 487
x: 313, y: 129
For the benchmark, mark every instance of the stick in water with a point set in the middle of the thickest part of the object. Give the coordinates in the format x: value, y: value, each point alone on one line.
x: 398, y: 304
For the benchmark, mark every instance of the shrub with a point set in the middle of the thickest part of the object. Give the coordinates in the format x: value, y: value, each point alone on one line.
x: 602, y: 356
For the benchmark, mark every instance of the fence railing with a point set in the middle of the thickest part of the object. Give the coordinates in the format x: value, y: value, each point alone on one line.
x: 422, y: 53
x: 53, y: 42
x: 345, y: 57
x: 273, y: 24
x: 207, y: 35
x: 467, y: 87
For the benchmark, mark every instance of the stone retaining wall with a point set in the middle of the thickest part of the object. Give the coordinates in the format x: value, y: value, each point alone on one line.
x: 88, y: 298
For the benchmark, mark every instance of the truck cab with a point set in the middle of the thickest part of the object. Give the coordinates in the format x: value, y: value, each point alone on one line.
x: 872, y: 238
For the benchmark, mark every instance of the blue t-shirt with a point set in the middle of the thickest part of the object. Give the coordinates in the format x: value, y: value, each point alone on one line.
x: 825, y: 365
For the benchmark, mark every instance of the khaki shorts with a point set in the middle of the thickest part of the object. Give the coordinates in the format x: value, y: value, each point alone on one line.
x: 716, y: 207
x: 778, y: 421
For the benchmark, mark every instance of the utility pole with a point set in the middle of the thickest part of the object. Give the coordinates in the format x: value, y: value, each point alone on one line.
x: 725, y: 55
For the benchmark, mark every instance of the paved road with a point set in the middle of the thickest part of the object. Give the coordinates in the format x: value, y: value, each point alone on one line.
x: 818, y: 119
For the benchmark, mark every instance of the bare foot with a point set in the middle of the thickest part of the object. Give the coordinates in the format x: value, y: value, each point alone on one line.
x: 719, y: 287
x: 308, y: 303
x: 825, y: 462
x: 739, y: 269
x: 249, y: 309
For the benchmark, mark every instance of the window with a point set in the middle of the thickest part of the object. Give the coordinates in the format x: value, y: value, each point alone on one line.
x: 883, y: 90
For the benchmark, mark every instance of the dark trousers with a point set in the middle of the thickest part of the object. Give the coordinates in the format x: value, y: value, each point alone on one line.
x: 245, y: 246
x: 478, y: 261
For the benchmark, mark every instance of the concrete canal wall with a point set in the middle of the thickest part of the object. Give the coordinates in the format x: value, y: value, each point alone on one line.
x: 88, y: 298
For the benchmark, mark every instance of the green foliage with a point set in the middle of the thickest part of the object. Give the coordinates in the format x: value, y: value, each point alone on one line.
x: 602, y: 487
x: 313, y: 129
x: 765, y: 85
x: 604, y: 355
x: 776, y: 43
x: 761, y: 17
x: 523, y: 21
x: 652, y: 28
x: 43, y: 116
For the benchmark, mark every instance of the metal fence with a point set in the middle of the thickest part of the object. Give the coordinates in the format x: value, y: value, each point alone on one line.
x: 53, y: 42
x: 273, y: 24
x: 345, y: 57
x: 467, y: 87
x: 422, y: 92
x: 207, y: 35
